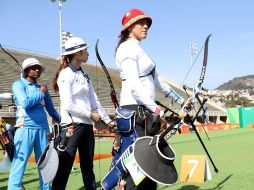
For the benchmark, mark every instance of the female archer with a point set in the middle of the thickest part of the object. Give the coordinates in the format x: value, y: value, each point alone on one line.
x: 139, y: 79
x: 80, y: 107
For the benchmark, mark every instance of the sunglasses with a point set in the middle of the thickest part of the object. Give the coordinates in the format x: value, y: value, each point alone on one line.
x: 143, y: 22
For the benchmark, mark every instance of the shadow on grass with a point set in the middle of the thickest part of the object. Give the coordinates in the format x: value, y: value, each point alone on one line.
x: 4, y: 179
x: 194, y: 187
x: 3, y: 188
x: 32, y: 169
x: 220, y: 185
x: 30, y: 181
x: 189, y: 187
x: 98, y: 186
x: 26, y: 183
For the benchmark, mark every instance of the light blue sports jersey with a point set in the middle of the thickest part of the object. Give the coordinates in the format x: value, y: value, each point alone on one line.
x: 30, y: 103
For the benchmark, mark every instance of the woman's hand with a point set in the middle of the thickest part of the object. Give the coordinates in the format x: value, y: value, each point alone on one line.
x: 112, y: 126
x: 163, y: 125
x: 112, y: 123
x: 95, y: 117
x: 70, y: 129
x: 188, y: 105
x: 44, y: 88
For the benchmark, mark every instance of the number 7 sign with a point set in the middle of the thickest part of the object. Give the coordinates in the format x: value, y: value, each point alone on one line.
x: 195, y: 168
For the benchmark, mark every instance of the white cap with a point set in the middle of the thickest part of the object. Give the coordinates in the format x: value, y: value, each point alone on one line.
x: 30, y: 62
x: 73, y: 45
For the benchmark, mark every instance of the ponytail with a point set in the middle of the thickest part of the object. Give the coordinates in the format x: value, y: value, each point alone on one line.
x: 64, y: 61
x: 122, y: 38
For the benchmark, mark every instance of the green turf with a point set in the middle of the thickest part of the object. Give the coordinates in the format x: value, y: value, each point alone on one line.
x: 231, y: 150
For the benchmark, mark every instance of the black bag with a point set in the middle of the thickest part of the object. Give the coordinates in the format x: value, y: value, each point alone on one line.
x: 7, y: 136
x: 148, y: 121
x: 152, y: 123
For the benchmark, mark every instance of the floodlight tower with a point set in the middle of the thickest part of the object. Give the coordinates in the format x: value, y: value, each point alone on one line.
x: 193, y: 52
x: 65, y: 37
x: 60, y: 23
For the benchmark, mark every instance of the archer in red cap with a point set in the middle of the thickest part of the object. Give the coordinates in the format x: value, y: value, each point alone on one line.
x: 135, y: 25
x: 139, y: 81
x: 133, y: 16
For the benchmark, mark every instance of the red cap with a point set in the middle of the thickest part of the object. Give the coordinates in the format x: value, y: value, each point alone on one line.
x: 132, y: 16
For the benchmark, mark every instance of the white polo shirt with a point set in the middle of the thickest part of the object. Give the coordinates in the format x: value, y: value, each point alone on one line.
x: 137, y: 86
x: 78, y: 97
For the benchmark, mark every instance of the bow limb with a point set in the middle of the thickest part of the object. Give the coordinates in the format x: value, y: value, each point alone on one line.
x: 16, y: 61
x: 11, y: 56
x: 202, y: 75
x: 198, y: 87
x: 113, y: 92
x: 185, y: 111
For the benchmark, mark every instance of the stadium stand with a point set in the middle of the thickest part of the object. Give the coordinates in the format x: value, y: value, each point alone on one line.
x: 10, y: 71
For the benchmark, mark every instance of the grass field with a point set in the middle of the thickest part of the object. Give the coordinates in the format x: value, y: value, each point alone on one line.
x: 231, y: 150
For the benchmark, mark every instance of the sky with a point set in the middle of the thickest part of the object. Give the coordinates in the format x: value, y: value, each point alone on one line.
x: 34, y: 26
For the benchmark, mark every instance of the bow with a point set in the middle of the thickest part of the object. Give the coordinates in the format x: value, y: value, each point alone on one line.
x: 113, y: 92
x: 184, y: 114
x: 16, y: 61
x: 202, y: 75
x: 197, y: 89
x: 201, y: 78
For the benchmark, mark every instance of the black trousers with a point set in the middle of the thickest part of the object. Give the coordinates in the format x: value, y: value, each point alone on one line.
x: 83, y: 140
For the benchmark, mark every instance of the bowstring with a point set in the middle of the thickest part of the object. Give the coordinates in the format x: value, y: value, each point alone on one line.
x: 192, y: 65
x: 182, y: 84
